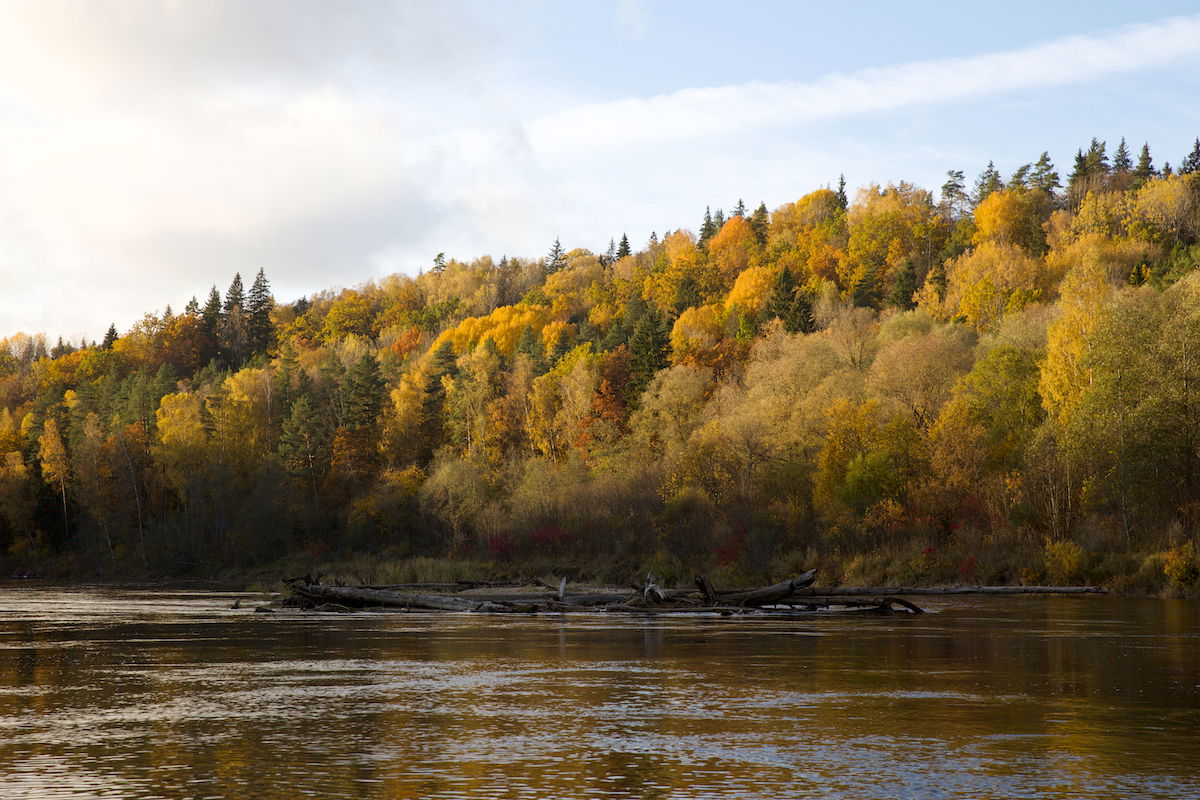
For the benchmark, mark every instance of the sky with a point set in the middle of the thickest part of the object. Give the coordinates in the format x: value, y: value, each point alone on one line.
x: 150, y: 149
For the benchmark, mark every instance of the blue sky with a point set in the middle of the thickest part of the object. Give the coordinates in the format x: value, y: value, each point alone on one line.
x: 148, y: 148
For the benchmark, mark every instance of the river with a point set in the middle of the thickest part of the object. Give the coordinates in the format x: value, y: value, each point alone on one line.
x: 171, y: 694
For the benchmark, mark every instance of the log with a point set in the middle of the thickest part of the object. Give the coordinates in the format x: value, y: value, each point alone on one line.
x: 755, y: 597
x: 360, y: 597
x: 860, y: 591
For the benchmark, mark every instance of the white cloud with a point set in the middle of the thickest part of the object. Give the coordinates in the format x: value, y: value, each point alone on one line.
x: 698, y: 112
x: 151, y: 148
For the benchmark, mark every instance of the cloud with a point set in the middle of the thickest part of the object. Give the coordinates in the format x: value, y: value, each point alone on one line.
x: 699, y: 112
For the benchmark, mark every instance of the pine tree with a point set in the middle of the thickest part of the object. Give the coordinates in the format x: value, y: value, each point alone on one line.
x: 649, y: 347
x: 506, y: 284
x: 988, y: 181
x: 235, y: 296
x: 439, y: 264
x: 1121, y: 160
x: 1191, y: 162
x: 1020, y: 178
x: 623, y: 249
x: 1144, y: 170
x: 783, y: 293
x: 904, y: 286
x: 955, y: 200
x: 1044, y: 176
x: 610, y: 255
x: 109, y: 338
x: 707, y: 228
x: 562, y: 346
x: 304, y: 443
x: 363, y: 393
x: 192, y: 309
x: 529, y: 344
x: 433, y: 406
x: 1097, y: 159
x: 556, y: 259
x: 259, y: 305
x: 687, y: 294
x: 232, y: 330
x: 760, y: 223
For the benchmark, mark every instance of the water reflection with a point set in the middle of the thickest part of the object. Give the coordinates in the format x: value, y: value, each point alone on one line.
x: 109, y: 693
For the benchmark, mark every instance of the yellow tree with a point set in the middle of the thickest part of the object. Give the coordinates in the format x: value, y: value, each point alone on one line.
x: 52, y: 454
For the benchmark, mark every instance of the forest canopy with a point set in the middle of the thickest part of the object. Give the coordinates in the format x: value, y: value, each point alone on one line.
x: 1000, y: 382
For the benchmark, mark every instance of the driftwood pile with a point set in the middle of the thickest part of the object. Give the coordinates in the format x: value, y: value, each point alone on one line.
x: 788, y: 597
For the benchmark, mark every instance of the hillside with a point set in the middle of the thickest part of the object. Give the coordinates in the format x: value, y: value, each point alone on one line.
x: 999, y: 386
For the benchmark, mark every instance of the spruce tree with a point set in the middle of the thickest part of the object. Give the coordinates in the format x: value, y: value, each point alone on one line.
x: 707, y: 228
x: 556, y: 259
x: 610, y: 255
x: 529, y: 344
x: 842, y: 200
x: 210, y: 323
x: 783, y: 294
x: 109, y: 338
x: 235, y: 296
x: 760, y: 223
x: 904, y: 285
x: 1144, y: 170
x: 363, y: 394
x: 1121, y: 160
x: 259, y: 304
x: 192, y: 309
x: 649, y: 347
x: 623, y: 249
x: 1191, y: 162
x: 740, y: 209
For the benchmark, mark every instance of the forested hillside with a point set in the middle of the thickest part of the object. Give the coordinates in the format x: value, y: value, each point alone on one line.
x: 996, y: 382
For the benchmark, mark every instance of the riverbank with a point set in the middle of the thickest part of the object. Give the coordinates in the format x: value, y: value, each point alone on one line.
x: 1167, y: 570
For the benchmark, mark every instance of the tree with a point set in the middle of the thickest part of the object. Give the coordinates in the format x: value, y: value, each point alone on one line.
x: 955, y: 200
x: 304, y: 445
x: 1121, y: 160
x: 1044, y: 176
x: 1191, y: 162
x: 740, y: 209
x: 707, y: 228
x: 988, y: 181
x: 56, y: 469
x: 842, y: 200
x: 232, y: 329
x: 109, y: 338
x: 649, y: 347
x: 556, y: 258
x: 759, y: 223
x: 790, y: 304
x: 259, y: 305
x: 623, y: 249
x: 1144, y: 170
x: 439, y: 264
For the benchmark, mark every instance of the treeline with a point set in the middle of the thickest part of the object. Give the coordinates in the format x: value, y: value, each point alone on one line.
x: 1001, y: 383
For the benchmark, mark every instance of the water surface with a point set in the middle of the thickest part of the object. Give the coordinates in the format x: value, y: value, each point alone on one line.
x: 152, y: 694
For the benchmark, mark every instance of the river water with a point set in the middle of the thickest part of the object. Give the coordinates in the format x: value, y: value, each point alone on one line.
x: 151, y: 694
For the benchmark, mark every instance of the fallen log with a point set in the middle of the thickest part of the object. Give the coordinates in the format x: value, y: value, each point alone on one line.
x: 359, y: 597
x: 860, y: 591
x: 755, y: 597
